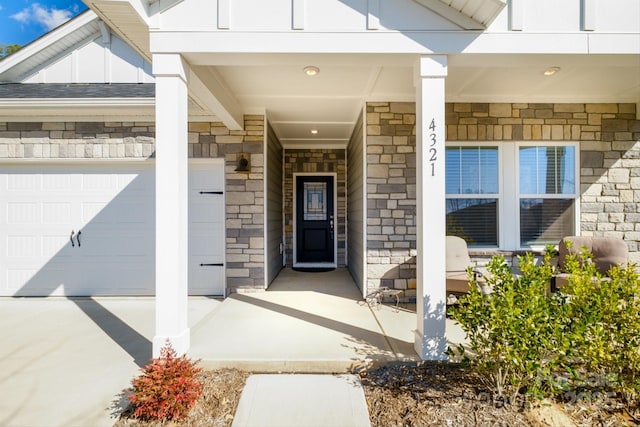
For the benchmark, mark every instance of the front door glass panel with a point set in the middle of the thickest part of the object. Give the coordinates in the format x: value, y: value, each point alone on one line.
x: 315, y: 201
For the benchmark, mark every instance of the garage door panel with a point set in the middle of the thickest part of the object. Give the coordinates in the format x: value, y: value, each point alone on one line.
x: 113, y: 205
x: 54, y: 246
x: 23, y: 213
x: 56, y: 213
x: 22, y: 182
x: 59, y: 182
x: 23, y: 246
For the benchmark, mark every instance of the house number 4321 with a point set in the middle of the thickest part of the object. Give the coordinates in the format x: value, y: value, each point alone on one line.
x: 433, y: 150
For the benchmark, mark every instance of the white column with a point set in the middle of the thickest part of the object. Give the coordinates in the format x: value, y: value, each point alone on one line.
x: 172, y: 224
x: 430, y: 342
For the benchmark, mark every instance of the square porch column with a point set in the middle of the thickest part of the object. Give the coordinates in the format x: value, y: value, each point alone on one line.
x: 430, y: 340
x: 172, y: 223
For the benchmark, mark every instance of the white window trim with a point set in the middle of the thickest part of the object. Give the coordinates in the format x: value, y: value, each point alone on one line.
x: 508, y: 192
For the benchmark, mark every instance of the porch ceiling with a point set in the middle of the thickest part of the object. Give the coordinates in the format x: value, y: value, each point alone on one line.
x: 331, y: 101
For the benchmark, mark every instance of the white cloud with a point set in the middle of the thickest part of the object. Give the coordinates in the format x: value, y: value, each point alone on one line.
x: 48, y: 18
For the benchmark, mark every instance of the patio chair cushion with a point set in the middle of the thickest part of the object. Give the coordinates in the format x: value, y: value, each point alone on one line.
x: 457, y: 258
x: 457, y: 261
x: 607, y: 252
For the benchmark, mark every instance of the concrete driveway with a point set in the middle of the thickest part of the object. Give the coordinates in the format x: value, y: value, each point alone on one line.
x: 65, y: 360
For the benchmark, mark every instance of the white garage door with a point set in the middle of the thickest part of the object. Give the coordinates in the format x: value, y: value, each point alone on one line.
x: 80, y: 230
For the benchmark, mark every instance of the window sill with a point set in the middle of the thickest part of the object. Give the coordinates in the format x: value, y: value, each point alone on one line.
x: 506, y: 254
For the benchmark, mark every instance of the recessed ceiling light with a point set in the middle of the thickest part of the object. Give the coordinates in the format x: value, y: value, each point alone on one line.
x: 314, y: 131
x: 551, y: 71
x: 311, y: 70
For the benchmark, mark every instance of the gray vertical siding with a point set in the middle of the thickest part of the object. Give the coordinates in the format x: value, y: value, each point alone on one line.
x: 355, y: 204
x: 274, y: 223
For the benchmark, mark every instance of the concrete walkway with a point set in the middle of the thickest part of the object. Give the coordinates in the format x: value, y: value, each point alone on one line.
x: 66, y: 361
x: 302, y: 400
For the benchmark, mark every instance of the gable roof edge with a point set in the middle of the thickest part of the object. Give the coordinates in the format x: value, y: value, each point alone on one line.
x: 46, y: 40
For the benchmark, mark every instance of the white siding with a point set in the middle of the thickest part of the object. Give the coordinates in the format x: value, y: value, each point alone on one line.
x: 93, y: 62
x: 316, y: 15
x: 616, y: 16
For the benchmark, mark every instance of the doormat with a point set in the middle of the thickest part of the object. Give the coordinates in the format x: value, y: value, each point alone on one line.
x: 313, y: 269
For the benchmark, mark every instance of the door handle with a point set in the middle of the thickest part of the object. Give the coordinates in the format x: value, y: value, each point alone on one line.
x: 331, y: 227
x: 78, y: 237
x: 71, y: 238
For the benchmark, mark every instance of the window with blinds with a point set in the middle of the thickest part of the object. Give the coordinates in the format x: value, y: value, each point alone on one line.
x: 547, y: 193
x: 473, y: 193
x: 511, y: 195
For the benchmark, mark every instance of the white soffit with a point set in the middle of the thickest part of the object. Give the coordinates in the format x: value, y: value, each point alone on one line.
x: 468, y: 14
x: 123, y: 18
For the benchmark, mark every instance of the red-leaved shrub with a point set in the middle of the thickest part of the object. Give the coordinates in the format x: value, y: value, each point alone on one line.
x: 168, y: 387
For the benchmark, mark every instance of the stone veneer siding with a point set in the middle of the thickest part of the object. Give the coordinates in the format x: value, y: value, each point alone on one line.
x: 77, y: 140
x: 244, y: 196
x: 315, y: 160
x: 391, y: 195
x: 609, y: 137
x: 136, y: 140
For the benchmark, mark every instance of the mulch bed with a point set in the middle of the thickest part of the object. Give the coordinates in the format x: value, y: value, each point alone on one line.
x: 428, y: 394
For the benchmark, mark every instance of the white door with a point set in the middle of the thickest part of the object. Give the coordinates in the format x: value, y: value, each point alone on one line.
x: 87, y: 229
x: 206, y: 227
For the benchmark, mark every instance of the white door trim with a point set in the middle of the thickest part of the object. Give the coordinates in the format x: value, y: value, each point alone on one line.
x: 333, y: 264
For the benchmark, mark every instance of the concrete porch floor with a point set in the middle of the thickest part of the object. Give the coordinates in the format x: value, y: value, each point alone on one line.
x: 66, y: 360
x: 307, y: 322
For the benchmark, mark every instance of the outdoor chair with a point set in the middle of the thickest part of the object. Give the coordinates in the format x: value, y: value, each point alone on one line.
x: 458, y: 261
x: 606, y: 251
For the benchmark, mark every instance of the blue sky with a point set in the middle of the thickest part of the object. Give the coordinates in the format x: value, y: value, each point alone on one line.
x: 22, y: 21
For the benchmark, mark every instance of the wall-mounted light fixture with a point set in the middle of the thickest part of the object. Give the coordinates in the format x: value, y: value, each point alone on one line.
x: 243, y: 162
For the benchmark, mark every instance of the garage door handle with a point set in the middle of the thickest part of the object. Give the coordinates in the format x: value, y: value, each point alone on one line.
x: 211, y: 192
x: 71, y: 238
x: 212, y: 265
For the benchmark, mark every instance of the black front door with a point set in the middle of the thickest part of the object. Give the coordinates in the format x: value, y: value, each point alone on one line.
x: 314, y: 219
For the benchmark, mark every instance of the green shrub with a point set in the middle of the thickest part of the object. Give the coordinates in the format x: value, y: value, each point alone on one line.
x: 167, y: 389
x: 522, y: 338
x: 603, y: 327
x: 511, y: 330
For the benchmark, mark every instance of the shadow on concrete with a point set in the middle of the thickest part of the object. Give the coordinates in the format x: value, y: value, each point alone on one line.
x: 135, y: 344
x: 357, y: 334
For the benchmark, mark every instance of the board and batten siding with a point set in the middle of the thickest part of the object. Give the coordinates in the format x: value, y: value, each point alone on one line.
x: 355, y: 204
x: 274, y: 224
x: 95, y: 62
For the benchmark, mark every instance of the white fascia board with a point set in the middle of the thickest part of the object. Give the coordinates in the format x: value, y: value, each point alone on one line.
x: 313, y: 145
x: 79, y: 117
x: 408, y: 42
x: 208, y: 89
x: 47, y: 40
x: 75, y: 102
x: 614, y: 43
